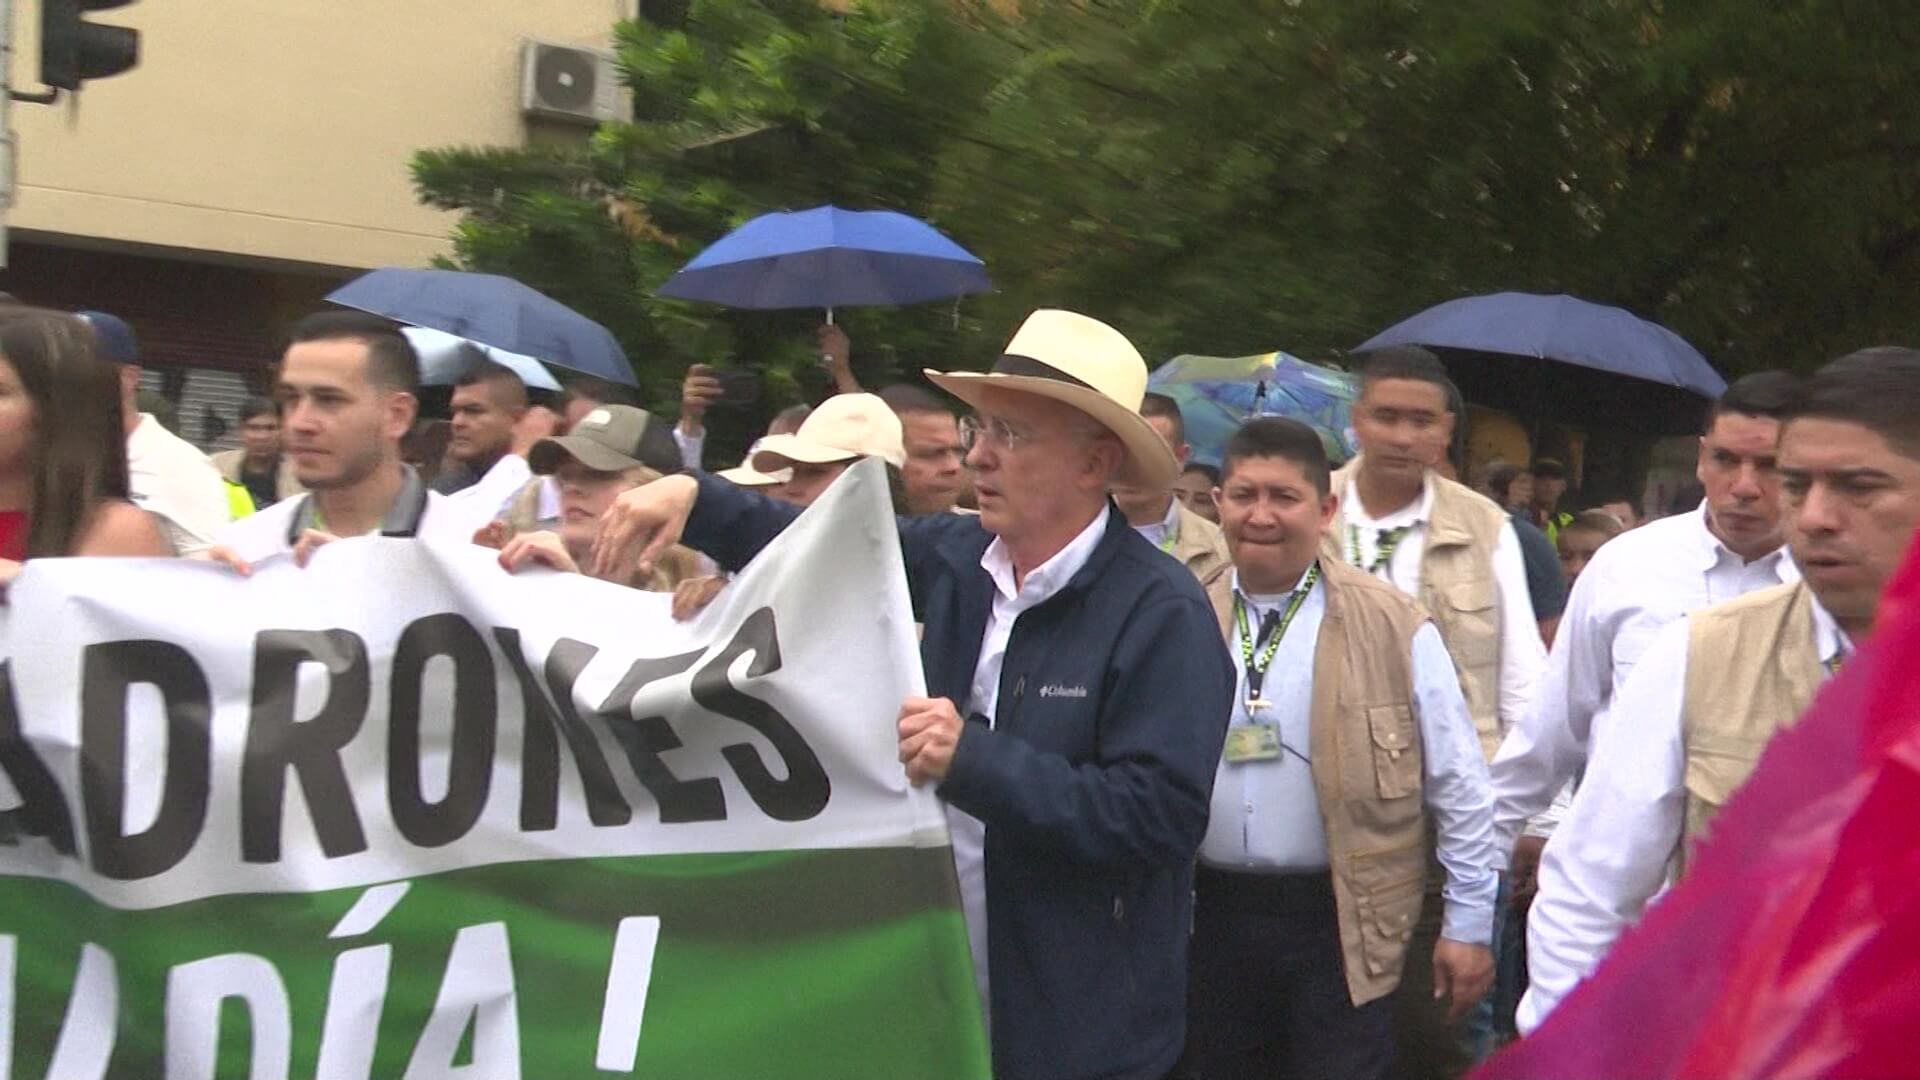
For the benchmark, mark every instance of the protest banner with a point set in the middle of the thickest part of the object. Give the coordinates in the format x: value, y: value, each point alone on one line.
x: 400, y: 814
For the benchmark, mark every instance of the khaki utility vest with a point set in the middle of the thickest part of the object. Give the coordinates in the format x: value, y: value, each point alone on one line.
x: 1366, y: 761
x: 1457, y: 589
x: 1200, y: 546
x: 1752, y: 669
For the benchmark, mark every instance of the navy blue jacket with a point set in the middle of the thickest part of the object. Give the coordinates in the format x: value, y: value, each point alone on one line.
x: 1094, y: 805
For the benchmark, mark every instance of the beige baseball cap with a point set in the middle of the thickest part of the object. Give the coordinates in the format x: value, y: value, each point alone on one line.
x: 745, y: 475
x: 844, y: 427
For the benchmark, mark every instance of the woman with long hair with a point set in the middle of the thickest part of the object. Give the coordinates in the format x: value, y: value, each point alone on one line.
x: 63, y: 447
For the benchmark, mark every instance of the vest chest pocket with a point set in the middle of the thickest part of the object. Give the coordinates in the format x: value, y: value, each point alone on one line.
x: 1718, y: 764
x: 1396, y: 757
x: 1469, y: 616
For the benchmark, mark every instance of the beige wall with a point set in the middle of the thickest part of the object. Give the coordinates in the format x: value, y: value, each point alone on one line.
x: 281, y: 129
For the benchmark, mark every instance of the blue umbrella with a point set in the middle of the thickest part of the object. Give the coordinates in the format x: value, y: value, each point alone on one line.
x: 1560, y: 328
x: 1218, y: 394
x: 491, y: 310
x: 827, y: 258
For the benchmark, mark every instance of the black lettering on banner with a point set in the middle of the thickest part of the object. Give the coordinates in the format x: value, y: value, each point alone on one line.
x: 107, y: 672
x: 470, y: 748
x: 277, y: 743
x: 645, y: 738
x: 805, y: 791
x: 540, y: 749
x: 43, y: 807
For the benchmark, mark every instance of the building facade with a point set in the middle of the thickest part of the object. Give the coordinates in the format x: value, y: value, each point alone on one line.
x: 259, y: 155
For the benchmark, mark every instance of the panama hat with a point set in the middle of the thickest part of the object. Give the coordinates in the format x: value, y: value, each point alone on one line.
x: 844, y: 427
x: 1085, y: 363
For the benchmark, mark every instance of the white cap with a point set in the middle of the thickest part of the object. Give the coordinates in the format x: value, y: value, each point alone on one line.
x: 844, y: 427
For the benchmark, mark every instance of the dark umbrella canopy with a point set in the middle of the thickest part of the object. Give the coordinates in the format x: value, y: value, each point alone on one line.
x: 827, y: 258
x: 1594, y: 346
x: 492, y: 310
x: 1560, y: 328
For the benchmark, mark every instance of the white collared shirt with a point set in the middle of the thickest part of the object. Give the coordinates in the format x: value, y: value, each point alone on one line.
x: 1041, y: 584
x: 1611, y: 855
x: 1636, y: 585
x: 170, y: 478
x: 1156, y: 533
x: 1522, y: 654
x: 1265, y: 815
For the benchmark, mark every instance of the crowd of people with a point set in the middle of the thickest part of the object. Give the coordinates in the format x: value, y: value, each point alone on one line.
x: 1276, y: 767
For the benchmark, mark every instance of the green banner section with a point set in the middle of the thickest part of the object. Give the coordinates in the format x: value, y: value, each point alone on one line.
x: 503, y: 971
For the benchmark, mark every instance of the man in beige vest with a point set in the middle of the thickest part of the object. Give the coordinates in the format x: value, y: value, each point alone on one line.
x: 1349, y: 731
x: 1165, y: 521
x: 1694, y: 716
x: 1453, y: 550
x: 1438, y: 541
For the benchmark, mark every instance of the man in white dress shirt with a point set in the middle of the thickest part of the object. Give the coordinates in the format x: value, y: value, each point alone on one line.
x: 1712, y: 689
x: 1640, y: 582
x: 1349, y: 732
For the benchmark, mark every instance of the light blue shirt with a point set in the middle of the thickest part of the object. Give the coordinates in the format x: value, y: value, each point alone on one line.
x: 1266, y: 814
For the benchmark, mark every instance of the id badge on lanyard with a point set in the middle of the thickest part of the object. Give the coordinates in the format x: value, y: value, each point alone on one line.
x: 1259, y: 738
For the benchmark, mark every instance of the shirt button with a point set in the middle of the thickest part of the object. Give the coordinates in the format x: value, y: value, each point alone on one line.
x: 1249, y: 808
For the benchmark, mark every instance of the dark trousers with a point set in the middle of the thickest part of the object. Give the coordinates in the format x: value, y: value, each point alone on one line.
x: 1267, y: 989
x: 1429, y: 1046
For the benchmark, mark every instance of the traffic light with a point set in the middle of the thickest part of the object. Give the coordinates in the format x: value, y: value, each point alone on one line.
x: 73, y: 50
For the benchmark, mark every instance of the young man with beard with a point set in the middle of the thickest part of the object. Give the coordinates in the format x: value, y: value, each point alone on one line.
x: 346, y: 392
x: 1349, y: 736
x: 1710, y: 691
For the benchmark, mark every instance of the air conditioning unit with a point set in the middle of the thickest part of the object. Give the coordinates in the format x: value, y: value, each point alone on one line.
x: 564, y: 82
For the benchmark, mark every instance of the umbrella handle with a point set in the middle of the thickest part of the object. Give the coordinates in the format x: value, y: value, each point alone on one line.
x: 825, y: 360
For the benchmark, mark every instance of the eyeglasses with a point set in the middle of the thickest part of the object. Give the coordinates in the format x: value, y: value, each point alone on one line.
x: 995, y: 432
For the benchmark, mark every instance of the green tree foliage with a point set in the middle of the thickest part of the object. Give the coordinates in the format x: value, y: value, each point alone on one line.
x: 1228, y: 178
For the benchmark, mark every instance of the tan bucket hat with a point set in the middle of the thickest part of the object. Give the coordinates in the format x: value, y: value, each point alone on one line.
x: 1082, y: 362
x: 844, y: 427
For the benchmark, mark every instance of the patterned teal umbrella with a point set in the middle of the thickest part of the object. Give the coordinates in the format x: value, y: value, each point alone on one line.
x: 1217, y: 394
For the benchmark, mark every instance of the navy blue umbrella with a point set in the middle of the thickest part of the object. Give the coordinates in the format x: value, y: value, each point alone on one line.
x: 491, y: 310
x: 827, y: 258
x: 1560, y: 328
x: 1611, y: 370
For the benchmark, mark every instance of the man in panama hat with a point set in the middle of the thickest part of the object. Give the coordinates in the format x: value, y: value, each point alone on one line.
x: 1078, y: 690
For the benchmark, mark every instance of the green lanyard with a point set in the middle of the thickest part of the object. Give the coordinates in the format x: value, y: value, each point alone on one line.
x: 1387, y: 542
x: 1257, y: 670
